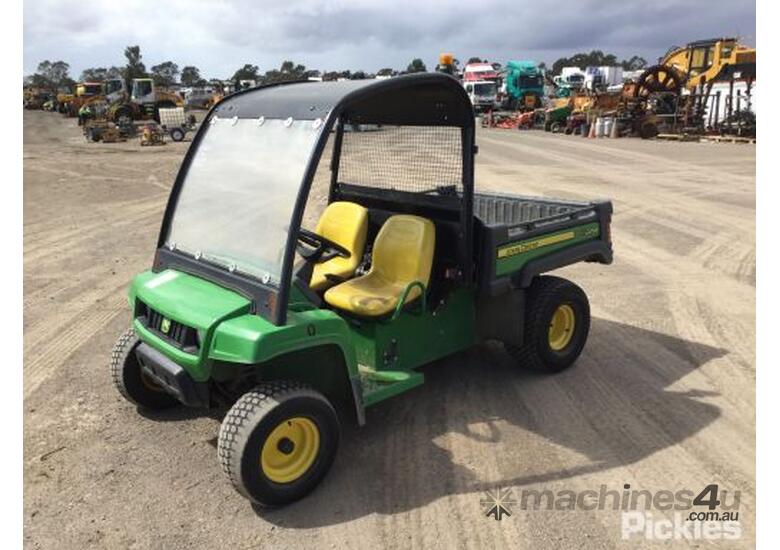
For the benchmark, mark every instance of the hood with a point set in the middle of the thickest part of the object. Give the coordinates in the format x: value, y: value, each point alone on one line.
x: 187, y: 299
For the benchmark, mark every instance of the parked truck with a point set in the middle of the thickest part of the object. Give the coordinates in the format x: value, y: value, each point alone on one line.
x: 523, y: 85
x: 483, y: 94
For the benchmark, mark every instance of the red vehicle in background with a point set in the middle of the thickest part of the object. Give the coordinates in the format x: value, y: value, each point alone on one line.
x: 479, y: 71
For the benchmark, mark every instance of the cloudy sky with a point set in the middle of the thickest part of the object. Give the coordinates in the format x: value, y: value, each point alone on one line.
x: 220, y: 36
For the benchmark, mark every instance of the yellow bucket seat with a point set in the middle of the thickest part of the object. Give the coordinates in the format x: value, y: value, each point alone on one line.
x: 346, y: 224
x: 402, y: 255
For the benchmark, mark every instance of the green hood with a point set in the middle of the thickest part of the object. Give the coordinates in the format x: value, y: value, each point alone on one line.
x: 187, y: 299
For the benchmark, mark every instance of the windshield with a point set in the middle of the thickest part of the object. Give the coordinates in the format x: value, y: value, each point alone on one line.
x: 91, y: 89
x: 113, y: 86
x: 529, y: 81
x: 485, y: 89
x: 237, y: 199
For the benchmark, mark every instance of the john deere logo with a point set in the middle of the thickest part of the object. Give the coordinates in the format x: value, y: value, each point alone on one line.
x: 165, y: 326
x: 498, y: 503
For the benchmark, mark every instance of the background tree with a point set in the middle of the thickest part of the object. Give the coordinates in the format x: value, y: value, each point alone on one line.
x: 93, y: 74
x: 51, y: 74
x: 634, y: 64
x: 165, y: 73
x: 288, y: 70
x: 247, y: 72
x: 416, y: 66
x: 134, y: 67
x: 190, y: 76
x: 387, y: 71
x: 594, y: 58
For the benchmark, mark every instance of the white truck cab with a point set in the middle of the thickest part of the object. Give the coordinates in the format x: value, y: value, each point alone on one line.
x: 483, y: 94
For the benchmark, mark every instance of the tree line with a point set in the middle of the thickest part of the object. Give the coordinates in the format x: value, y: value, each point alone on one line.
x: 597, y: 58
x: 55, y: 74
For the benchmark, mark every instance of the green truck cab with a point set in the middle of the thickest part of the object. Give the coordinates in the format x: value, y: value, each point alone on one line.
x: 299, y: 330
x: 524, y: 85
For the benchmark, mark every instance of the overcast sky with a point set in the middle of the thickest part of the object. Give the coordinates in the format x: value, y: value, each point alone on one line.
x: 220, y: 36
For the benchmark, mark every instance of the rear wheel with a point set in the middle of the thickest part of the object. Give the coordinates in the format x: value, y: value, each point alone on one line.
x: 130, y: 381
x: 177, y: 134
x: 557, y: 322
x: 123, y: 116
x: 278, y: 441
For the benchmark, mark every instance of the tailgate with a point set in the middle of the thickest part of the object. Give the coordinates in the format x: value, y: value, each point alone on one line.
x: 523, y: 236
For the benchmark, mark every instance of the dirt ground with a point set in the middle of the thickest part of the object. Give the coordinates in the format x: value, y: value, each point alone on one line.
x: 663, y: 397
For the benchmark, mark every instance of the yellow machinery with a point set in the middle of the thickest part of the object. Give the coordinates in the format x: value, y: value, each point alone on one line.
x: 706, y: 60
x: 698, y: 64
x: 144, y: 102
x: 151, y: 135
x: 83, y: 92
x: 34, y: 98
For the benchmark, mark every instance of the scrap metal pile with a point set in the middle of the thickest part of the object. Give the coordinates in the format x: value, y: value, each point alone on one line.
x: 702, y: 89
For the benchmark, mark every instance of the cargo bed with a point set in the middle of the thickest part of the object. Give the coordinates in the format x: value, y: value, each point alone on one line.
x: 521, y: 237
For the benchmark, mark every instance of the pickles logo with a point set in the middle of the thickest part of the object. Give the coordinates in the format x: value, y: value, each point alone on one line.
x: 498, y: 503
x: 165, y: 326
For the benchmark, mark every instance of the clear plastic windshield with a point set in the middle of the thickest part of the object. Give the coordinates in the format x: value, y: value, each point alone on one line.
x: 236, y: 202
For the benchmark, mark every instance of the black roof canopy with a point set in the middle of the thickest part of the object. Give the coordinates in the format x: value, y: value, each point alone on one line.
x: 429, y: 99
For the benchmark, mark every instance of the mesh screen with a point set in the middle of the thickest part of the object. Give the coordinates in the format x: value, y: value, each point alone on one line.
x: 404, y: 158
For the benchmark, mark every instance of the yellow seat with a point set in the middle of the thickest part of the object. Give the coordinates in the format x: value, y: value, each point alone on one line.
x: 403, y: 254
x: 346, y: 224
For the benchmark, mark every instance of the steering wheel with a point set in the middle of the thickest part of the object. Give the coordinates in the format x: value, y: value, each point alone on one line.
x: 322, y: 249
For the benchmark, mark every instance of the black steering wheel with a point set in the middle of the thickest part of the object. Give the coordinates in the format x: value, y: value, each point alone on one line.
x: 321, y: 248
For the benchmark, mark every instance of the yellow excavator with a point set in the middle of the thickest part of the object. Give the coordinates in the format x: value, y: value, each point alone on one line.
x: 698, y: 64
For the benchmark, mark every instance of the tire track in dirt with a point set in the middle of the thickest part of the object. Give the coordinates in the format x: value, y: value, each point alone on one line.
x: 67, y: 334
x: 64, y: 241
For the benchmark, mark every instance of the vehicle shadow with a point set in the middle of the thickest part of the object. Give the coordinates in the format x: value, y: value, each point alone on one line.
x: 611, y: 409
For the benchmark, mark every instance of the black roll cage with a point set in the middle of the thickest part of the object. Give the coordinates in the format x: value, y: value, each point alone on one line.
x: 439, y: 100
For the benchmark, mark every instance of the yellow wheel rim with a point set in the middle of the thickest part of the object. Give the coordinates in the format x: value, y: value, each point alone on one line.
x: 561, y: 327
x: 290, y: 450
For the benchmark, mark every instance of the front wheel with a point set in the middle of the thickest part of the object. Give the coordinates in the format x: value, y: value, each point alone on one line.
x: 131, y: 381
x: 557, y: 322
x: 278, y: 441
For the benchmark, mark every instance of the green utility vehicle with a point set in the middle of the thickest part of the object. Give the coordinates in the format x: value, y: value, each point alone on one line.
x: 406, y: 264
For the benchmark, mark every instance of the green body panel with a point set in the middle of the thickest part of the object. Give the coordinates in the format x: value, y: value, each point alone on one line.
x: 410, y: 341
x: 558, y: 115
x: 228, y: 332
x: 375, y: 390
x: 250, y: 339
x: 513, y: 256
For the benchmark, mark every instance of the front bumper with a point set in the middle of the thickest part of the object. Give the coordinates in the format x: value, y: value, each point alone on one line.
x: 172, y: 377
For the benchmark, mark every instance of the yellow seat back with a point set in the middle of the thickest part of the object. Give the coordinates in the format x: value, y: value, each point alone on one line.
x: 403, y: 250
x: 346, y: 224
x: 403, y: 254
